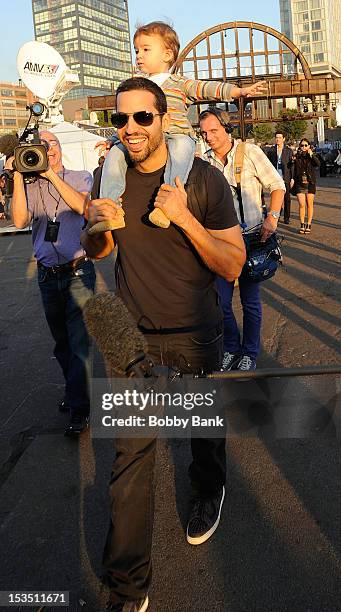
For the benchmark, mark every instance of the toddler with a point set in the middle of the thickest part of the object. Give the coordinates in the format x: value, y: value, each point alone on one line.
x: 157, y: 48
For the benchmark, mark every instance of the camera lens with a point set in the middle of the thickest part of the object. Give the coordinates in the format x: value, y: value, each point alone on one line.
x: 38, y: 108
x: 30, y: 158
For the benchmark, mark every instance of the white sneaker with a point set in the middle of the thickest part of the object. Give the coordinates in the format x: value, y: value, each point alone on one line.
x: 246, y: 364
x: 229, y: 361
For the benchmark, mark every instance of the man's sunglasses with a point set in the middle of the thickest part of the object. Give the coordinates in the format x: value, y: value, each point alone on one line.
x: 143, y: 118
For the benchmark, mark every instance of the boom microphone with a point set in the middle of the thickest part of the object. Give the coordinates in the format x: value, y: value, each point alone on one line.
x: 113, y: 328
x: 8, y: 143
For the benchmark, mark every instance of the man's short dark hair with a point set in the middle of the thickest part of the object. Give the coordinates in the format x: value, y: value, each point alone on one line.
x: 140, y: 83
x: 279, y: 132
x: 220, y: 114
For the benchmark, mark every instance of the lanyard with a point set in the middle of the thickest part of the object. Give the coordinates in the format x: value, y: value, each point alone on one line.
x: 52, y: 196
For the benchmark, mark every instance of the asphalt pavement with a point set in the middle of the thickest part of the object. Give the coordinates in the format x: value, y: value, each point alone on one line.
x: 278, y: 547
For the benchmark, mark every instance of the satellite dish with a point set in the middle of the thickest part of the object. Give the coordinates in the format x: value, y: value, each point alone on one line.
x: 40, y: 68
x: 93, y: 117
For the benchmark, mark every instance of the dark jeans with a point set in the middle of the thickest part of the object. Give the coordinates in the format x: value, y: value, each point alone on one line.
x: 127, y: 553
x: 64, y: 294
x: 287, y: 202
x: 252, y: 316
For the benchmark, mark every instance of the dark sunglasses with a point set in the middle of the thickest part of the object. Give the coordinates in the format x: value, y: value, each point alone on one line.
x: 119, y: 120
x: 304, y: 145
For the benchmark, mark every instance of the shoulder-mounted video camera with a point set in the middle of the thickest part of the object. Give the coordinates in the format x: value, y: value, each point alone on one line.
x: 30, y: 153
x: 30, y: 156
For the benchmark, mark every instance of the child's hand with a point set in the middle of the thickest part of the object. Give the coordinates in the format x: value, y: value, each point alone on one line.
x: 256, y: 89
x: 103, y: 147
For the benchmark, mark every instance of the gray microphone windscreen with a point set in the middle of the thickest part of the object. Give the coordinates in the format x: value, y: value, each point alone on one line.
x: 8, y: 143
x: 113, y: 328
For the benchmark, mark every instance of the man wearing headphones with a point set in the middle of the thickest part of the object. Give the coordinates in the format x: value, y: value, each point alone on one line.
x: 257, y: 173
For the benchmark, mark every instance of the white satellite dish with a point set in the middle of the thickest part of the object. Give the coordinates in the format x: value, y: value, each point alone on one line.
x: 40, y: 68
x: 44, y: 72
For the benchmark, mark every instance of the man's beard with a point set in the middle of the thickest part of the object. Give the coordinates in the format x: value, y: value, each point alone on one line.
x: 153, y: 143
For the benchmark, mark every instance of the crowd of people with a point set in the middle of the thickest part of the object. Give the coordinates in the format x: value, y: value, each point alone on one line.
x: 151, y: 171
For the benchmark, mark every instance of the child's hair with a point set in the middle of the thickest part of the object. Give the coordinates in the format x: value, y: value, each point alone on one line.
x: 168, y: 35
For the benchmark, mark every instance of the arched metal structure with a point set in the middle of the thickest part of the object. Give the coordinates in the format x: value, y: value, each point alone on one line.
x: 224, y: 53
x: 244, y: 52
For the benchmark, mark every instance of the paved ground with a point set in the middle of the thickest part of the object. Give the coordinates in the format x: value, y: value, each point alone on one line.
x: 279, y: 544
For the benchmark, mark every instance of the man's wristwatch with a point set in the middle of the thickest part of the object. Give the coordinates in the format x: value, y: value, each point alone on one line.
x: 274, y: 214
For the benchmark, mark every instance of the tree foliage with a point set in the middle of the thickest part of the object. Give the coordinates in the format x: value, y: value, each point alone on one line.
x: 101, y: 121
x: 262, y: 132
x: 293, y: 129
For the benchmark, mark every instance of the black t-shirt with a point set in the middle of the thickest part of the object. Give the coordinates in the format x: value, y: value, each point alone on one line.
x: 160, y: 275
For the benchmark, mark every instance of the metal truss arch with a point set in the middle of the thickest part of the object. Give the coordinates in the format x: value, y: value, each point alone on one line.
x: 236, y: 60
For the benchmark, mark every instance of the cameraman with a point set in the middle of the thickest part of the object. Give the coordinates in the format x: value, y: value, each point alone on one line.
x: 55, y: 204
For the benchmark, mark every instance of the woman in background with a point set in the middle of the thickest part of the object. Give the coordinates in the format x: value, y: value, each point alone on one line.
x: 305, y: 163
x: 2, y: 197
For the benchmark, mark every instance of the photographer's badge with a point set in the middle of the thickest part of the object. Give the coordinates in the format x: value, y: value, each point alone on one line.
x: 52, y: 229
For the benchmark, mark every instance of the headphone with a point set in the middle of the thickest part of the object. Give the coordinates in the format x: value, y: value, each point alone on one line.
x: 221, y: 115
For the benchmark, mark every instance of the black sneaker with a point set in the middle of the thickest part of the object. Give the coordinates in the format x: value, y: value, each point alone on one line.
x: 140, y: 605
x: 204, y: 518
x: 78, y: 423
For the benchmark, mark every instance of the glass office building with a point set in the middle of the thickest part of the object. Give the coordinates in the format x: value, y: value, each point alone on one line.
x: 315, y: 27
x: 93, y: 38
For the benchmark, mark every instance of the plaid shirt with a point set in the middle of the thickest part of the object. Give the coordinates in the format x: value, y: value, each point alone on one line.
x: 258, y: 172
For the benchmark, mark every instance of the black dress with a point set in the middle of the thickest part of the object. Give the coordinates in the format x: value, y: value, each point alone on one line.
x: 304, y: 173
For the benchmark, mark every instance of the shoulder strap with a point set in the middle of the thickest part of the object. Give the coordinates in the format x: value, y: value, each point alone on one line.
x: 238, y: 162
x: 238, y: 167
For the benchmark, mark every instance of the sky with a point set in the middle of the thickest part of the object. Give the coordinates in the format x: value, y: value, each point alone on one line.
x: 188, y: 17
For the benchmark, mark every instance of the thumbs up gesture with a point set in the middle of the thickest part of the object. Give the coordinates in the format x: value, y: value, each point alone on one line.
x: 170, y: 205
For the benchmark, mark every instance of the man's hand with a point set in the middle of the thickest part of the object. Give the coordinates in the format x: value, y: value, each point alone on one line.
x: 9, y: 163
x: 269, y: 227
x: 291, y: 183
x: 173, y: 202
x: 256, y: 89
x: 47, y: 173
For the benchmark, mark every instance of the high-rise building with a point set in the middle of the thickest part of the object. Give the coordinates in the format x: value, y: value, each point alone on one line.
x: 315, y: 27
x: 93, y: 38
x: 13, y: 101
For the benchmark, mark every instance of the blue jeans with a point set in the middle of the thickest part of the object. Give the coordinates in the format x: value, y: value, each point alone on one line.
x: 64, y: 294
x: 252, y: 316
x: 179, y: 163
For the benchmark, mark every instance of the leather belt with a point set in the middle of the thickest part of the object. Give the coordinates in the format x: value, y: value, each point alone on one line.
x: 70, y: 265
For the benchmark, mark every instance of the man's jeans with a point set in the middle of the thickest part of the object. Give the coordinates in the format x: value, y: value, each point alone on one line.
x: 287, y: 202
x: 252, y: 316
x: 64, y: 294
x: 127, y: 554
